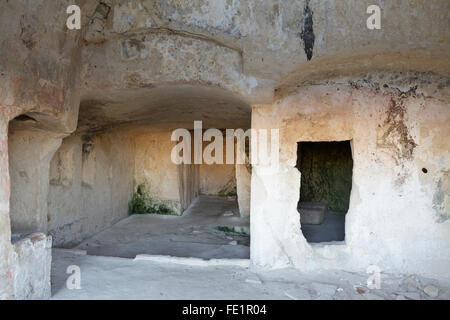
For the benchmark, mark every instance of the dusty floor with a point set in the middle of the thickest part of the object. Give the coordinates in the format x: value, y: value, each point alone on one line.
x: 191, y: 235
x: 110, y: 270
x: 120, y: 278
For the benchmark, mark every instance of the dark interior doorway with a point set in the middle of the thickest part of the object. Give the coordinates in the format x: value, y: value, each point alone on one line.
x: 326, y: 183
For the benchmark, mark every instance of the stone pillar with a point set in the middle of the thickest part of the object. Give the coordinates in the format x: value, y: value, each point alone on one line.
x: 277, y: 240
x: 6, y: 249
x: 25, y: 262
x: 243, y: 181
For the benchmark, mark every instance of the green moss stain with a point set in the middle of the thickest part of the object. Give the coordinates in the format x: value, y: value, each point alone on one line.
x: 326, y: 169
x: 229, y: 189
x: 142, y: 203
x: 235, y: 230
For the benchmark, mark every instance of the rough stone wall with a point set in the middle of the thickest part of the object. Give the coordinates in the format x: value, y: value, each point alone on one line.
x: 140, y: 44
x: 6, y: 252
x: 243, y: 184
x: 155, y: 169
x: 171, y: 35
x: 30, y: 152
x: 91, y: 184
x: 256, y: 42
x: 177, y: 186
x: 413, y: 37
x: 398, y: 209
x: 188, y: 184
x: 39, y: 63
x: 326, y: 170
x: 25, y: 255
x: 218, y: 179
x: 32, y: 268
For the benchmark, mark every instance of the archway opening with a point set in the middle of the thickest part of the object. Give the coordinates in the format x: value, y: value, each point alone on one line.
x: 116, y: 191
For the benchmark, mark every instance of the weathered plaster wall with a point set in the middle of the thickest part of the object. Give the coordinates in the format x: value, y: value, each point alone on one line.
x: 154, y: 168
x: 244, y: 46
x: 91, y: 184
x: 32, y: 267
x: 397, y: 211
x: 258, y: 42
x: 7, y: 258
x: 243, y: 188
x: 188, y: 184
x: 413, y: 37
x: 273, y: 36
x: 30, y: 152
x: 153, y: 59
x: 25, y: 255
x: 177, y: 185
x: 39, y: 63
x: 217, y: 179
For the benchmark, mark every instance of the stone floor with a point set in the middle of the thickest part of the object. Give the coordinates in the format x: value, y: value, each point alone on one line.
x: 191, y: 235
x: 121, y: 278
x: 170, y: 257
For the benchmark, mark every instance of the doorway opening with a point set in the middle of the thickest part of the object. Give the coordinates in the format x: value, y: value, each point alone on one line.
x: 326, y: 183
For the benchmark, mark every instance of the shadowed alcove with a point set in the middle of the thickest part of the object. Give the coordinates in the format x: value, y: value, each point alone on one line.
x: 326, y: 182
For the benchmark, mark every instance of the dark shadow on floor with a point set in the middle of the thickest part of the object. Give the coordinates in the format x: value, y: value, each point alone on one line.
x: 331, y: 229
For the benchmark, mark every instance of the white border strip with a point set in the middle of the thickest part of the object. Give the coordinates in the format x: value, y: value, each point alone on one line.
x: 72, y: 251
x: 197, y: 262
